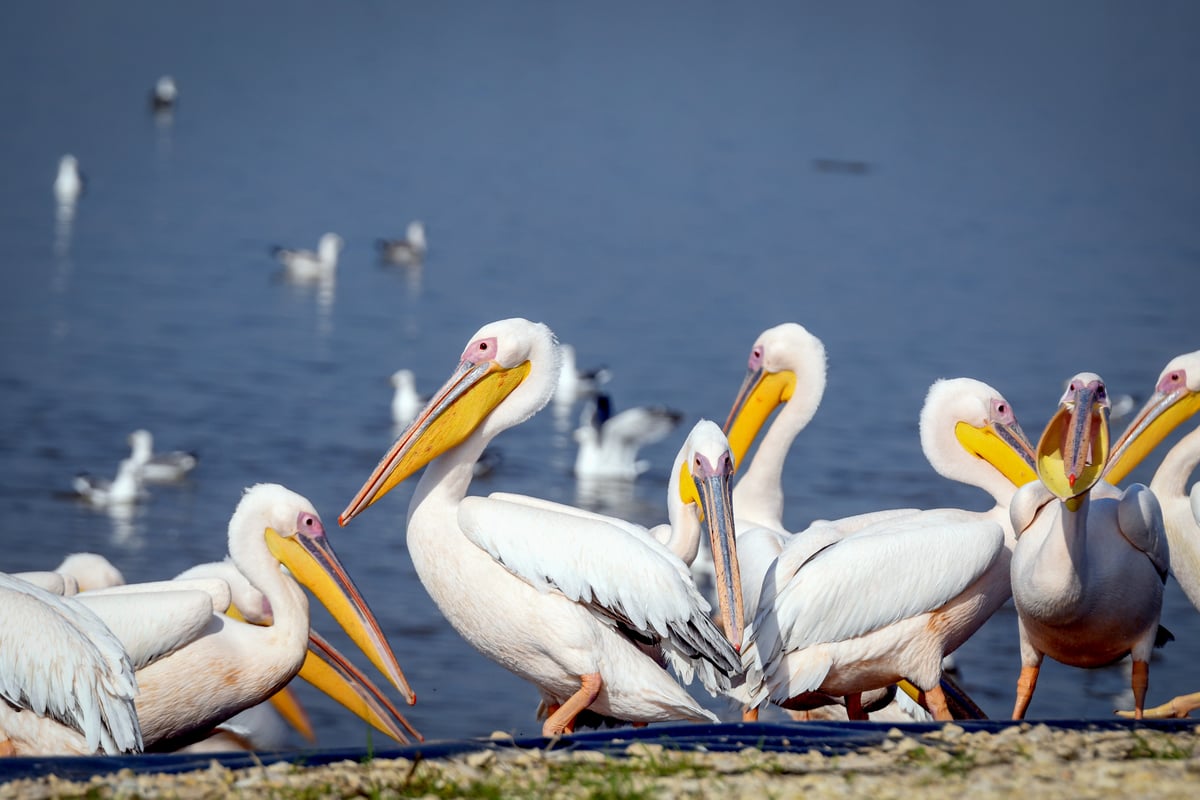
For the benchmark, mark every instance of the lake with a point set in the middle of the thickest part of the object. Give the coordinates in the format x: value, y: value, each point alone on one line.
x: 1007, y: 192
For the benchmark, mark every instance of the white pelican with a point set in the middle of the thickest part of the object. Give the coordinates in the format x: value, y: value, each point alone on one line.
x: 166, y: 467
x: 409, y: 251
x: 66, y: 684
x: 69, y: 184
x: 575, y: 603
x: 164, y: 94
x: 406, y: 403
x: 1176, y: 398
x: 1087, y: 572
x: 305, y: 265
x: 123, y: 490
x: 229, y: 665
x: 609, y: 443
x: 324, y: 665
x: 827, y: 624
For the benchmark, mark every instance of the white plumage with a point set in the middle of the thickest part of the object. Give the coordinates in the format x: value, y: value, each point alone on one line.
x: 305, y: 265
x: 608, y: 444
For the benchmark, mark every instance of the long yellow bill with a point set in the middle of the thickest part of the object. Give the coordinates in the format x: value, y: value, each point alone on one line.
x: 1001, y: 443
x: 334, y: 674
x: 458, y: 408
x: 1171, y: 404
x: 1074, y: 446
x: 760, y: 394
x: 309, y: 556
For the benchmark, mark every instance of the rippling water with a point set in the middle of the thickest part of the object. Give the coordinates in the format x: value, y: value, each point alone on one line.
x: 1008, y: 193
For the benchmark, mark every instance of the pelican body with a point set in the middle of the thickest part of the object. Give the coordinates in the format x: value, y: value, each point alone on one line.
x: 1087, y: 572
x: 579, y: 604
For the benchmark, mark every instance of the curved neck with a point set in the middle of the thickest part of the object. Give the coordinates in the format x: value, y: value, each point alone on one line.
x: 1171, y: 477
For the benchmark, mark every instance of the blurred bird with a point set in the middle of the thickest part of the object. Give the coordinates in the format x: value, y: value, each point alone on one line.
x: 574, y: 383
x: 167, y: 467
x: 307, y: 265
x: 405, y: 401
x: 609, y: 444
x: 123, y: 490
x: 408, y: 251
x: 164, y: 94
x: 69, y: 185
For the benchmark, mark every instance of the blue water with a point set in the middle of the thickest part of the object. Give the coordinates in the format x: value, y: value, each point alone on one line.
x: 645, y: 180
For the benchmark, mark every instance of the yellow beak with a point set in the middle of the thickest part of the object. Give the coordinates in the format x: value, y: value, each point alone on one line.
x: 1166, y: 409
x: 1005, y: 447
x: 458, y: 408
x: 1074, y: 447
x: 760, y: 394
x: 311, y: 560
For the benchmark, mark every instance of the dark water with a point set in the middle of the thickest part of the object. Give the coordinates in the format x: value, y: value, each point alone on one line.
x: 1005, y: 192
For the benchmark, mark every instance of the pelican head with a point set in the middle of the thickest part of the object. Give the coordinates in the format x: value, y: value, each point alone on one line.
x: 706, y: 485
x: 771, y: 378
x: 296, y: 537
x: 498, y: 360
x: 1176, y: 398
x: 985, y: 426
x: 1074, y: 447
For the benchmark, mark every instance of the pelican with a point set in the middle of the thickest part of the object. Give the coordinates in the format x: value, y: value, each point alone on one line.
x: 123, y: 490
x: 609, y: 443
x: 69, y: 184
x: 67, y: 685
x: 305, y: 265
x: 825, y: 622
x: 223, y: 665
x: 1176, y: 398
x: 164, y: 94
x: 406, y: 403
x: 168, y: 467
x: 1087, y: 572
x: 576, y: 603
x: 90, y: 571
x: 409, y: 251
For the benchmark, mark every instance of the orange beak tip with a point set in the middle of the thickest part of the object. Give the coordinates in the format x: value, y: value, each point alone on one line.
x: 1071, y: 480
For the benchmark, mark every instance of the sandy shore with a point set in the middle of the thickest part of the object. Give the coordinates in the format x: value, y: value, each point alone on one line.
x: 1029, y: 761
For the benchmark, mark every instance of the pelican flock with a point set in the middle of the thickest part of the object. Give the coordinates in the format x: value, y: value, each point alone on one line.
x: 604, y: 616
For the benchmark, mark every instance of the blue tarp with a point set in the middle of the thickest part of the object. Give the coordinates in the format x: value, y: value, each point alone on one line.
x: 831, y: 738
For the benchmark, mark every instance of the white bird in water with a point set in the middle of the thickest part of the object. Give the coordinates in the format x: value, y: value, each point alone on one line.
x: 305, y: 265
x: 609, y: 443
x: 406, y: 402
x: 169, y: 467
x: 1087, y: 572
x: 574, y: 384
x: 827, y: 624
x: 124, y: 490
x: 164, y: 94
x: 69, y: 184
x: 409, y: 251
x: 67, y: 685
x: 579, y: 604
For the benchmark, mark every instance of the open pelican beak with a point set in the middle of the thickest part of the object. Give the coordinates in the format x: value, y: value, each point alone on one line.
x: 458, y: 408
x: 1074, y: 447
x: 1171, y: 404
x: 309, y: 556
x: 710, y: 487
x: 1003, y: 445
x: 761, y: 393
x: 331, y: 672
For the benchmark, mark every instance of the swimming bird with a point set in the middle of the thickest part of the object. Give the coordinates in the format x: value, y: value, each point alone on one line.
x: 1087, y: 572
x: 67, y: 685
x: 220, y: 665
x: 576, y: 603
x: 826, y: 624
x: 609, y: 443
x: 305, y: 265
x: 169, y: 467
x: 123, y: 490
x: 70, y: 182
x: 164, y: 94
x: 574, y: 384
x: 406, y: 403
x: 409, y: 251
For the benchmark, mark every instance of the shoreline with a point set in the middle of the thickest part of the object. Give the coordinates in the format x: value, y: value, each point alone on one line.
x: 1080, y: 759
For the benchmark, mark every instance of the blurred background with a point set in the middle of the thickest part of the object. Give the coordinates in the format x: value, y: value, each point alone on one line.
x: 1003, y: 191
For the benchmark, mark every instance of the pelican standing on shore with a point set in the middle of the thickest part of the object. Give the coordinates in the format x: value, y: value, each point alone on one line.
x: 1087, y: 572
x: 568, y: 600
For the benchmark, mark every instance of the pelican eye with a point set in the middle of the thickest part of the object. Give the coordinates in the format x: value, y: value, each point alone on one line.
x: 309, y: 524
x: 756, y: 357
x: 1172, y: 380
